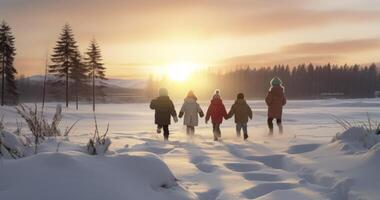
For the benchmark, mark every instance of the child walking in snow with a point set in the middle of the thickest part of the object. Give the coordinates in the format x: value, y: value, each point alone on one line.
x: 164, y: 109
x: 242, y: 112
x: 275, y: 100
x: 190, y: 109
x: 217, y: 112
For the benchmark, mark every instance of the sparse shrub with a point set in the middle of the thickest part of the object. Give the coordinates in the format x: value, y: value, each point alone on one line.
x: 37, y: 123
x: 39, y: 126
x: 371, y: 126
x: 363, y: 133
x: 98, y: 144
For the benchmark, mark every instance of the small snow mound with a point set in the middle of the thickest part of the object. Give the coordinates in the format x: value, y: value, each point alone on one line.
x: 356, y: 138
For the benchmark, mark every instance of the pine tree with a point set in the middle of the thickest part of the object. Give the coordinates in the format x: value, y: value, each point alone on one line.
x: 63, y: 57
x: 78, y: 73
x: 8, y: 72
x: 95, y: 67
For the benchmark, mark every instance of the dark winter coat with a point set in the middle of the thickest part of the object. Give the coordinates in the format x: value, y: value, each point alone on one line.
x: 164, y: 108
x: 216, y: 111
x: 275, y: 101
x: 241, y: 110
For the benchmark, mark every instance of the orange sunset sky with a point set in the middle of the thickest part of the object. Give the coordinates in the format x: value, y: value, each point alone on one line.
x: 138, y: 37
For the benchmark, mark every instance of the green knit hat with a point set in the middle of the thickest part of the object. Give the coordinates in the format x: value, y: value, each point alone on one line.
x: 276, y: 81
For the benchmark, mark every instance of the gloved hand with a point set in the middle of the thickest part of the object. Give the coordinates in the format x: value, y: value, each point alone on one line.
x: 206, y: 121
x: 175, y: 118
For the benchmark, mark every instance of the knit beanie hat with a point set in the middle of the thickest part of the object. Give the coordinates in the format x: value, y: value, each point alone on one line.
x: 276, y: 82
x: 216, y: 94
x: 240, y: 96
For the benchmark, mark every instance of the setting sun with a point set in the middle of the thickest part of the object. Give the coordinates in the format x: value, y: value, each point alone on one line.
x: 181, y: 71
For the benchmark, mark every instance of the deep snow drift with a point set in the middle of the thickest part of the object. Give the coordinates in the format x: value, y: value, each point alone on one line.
x: 303, y: 163
x: 74, y: 175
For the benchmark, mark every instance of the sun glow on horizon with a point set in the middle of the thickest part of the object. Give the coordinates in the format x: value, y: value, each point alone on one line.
x: 178, y: 71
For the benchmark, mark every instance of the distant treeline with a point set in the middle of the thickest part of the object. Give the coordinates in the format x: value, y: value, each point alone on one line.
x: 302, y: 81
x: 31, y: 91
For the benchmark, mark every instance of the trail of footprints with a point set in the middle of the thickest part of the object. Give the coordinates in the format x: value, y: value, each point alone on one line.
x: 249, y: 168
x: 271, y: 182
x: 250, y: 171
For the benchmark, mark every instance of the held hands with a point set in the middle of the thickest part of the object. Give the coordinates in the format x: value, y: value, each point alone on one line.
x: 180, y: 114
x: 175, y: 118
x: 201, y: 114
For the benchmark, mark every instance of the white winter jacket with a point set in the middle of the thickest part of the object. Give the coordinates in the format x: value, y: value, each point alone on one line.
x: 191, y: 109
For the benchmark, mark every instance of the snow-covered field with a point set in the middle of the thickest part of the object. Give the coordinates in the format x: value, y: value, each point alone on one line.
x: 303, y: 163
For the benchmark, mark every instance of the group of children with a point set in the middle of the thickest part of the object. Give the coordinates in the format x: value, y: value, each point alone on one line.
x: 190, y: 110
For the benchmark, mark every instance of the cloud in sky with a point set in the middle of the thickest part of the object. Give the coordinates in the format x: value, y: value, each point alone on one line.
x: 144, y: 31
x: 318, y: 52
x: 335, y: 47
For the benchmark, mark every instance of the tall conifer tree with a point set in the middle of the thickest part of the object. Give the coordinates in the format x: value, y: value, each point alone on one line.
x: 95, y: 67
x: 9, y: 94
x: 63, y: 57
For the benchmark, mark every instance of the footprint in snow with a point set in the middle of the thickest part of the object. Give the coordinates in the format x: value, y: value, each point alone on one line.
x: 302, y: 148
x: 211, y: 194
x: 243, y: 167
x: 206, y: 167
x: 275, y: 161
x: 203, y: 163
x: 198, y: 159
x: 261, y: 177
x: 266, y: 188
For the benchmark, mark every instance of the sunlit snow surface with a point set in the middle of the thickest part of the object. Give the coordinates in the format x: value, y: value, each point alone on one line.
x: 300, y: 164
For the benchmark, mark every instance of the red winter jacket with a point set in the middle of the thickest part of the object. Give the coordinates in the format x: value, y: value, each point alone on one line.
x: 216, y: 111
x: 275, y: 101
